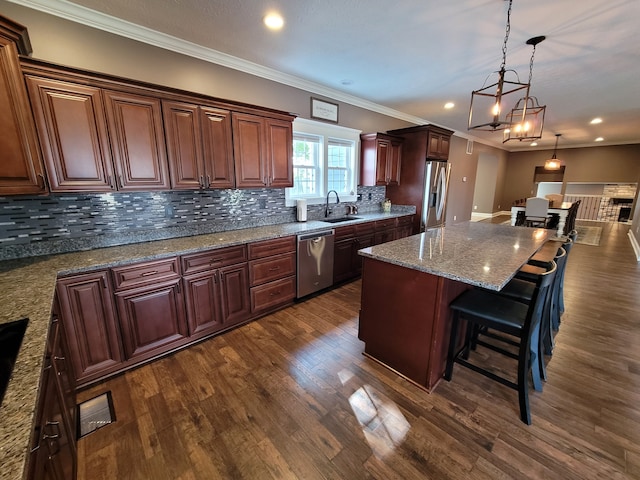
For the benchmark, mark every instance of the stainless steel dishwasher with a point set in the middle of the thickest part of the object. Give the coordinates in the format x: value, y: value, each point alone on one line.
x: 315, y: 262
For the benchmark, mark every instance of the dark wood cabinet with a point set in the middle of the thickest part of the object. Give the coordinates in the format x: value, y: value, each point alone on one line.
x: 99, y: 140
x: 73, y: 135
x: 272, y: 273
x: 91, y: 328
x: 438, y: 144
x: 150, y: 307
x: 199, y: 145
x: 21, y: 169
x: 380, y: 159
x: 53, y: 445
x: 343, y: 253
x: 137, y: 141
x: 152, y: 319
x: 263, y: 150
x: 216, y: 289
x: 385, y: 231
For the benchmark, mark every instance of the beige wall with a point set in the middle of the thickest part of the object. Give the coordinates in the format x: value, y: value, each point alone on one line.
x: 608, y: 164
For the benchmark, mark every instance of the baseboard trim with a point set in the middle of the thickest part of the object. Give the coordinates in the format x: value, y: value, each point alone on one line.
x: 634, y: 244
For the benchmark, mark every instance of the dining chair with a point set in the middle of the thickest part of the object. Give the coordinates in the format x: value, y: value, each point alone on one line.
x: 536, y: 212
x: 570, y: 222
x: 483, y: 308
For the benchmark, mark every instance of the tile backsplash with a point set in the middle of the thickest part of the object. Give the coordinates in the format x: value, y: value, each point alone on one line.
x: 42, y: 225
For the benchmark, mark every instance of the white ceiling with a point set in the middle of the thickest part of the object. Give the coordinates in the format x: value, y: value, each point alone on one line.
x: 412, y: 56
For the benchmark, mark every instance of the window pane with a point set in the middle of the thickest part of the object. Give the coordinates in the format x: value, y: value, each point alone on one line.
x: 305, y: 181
x: 338, y: 180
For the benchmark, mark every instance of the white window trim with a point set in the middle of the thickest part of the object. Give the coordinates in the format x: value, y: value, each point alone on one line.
x: 303, y: 125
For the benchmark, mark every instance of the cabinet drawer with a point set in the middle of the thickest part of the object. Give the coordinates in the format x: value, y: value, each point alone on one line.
x: 273, y: 294
x: 200, y: 262
x: 365, y: 228
x: 386, y: 223
x: 275, y: 246
x: 272, y: 268
x: 144, y: 273
x: 403, y: 221
x: 342, y: 233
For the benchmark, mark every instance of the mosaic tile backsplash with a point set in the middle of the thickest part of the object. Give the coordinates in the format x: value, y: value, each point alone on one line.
x: 31, y: 226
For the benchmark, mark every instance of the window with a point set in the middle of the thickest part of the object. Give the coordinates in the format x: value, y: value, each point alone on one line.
x: 325, y: 157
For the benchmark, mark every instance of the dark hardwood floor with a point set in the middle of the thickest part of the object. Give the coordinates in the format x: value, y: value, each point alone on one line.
x: 290, y: 396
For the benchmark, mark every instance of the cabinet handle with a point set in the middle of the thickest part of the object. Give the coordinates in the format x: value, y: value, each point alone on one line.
x: 215, y: 277
x: 56, y: 434
x: 120, y: 180
x: 274, y: 269
x: 44, y: 183
x: 273, y: 294
x: 103, y: 282
x: 110, y: 182
x: 202, y: 181
x: 179, y: 287
x: 147, y: 274
x: 208, y: 181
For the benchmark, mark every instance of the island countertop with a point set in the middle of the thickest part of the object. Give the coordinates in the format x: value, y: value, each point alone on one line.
x: 481, y: 254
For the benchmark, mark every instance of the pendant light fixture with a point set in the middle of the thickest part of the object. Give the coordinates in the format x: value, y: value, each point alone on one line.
x: 553, y: 163
x: 527, y: 117
x: 490, y: 104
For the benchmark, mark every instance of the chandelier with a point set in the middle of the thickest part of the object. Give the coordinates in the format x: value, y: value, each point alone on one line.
x: 488, y: 103
x: 553, y: 163
x: 527, y: 117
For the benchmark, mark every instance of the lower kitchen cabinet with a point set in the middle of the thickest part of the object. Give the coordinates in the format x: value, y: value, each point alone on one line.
x: 152, y: 319
x: 272, y: 269
x: 53, y: 452
x: 343, y: 248
x: 217, y: 299
x: 88, y: 312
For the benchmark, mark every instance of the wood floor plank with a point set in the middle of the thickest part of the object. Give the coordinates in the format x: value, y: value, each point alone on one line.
x: 291, y: 396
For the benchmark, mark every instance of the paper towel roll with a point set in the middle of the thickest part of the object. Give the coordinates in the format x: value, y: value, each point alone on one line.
x: 301, y: 210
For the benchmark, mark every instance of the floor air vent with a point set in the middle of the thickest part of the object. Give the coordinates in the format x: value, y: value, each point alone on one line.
x: 95, y: 413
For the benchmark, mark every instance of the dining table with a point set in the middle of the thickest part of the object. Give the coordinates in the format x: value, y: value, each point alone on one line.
x: 561, y: 210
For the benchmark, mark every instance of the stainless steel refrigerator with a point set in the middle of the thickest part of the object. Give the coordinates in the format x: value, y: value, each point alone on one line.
x: 436, y: 186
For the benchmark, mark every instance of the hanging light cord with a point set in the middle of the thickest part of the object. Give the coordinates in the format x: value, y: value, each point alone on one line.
x: 531, y: 64
x: 506, y: 37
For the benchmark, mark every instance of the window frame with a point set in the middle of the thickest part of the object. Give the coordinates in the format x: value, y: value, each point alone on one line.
x: 326, y: 133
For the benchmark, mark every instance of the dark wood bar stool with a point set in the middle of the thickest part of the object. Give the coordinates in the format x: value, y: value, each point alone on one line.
x: 485, y: 309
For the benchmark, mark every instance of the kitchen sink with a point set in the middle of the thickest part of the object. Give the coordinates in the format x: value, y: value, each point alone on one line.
x: 339, y: 220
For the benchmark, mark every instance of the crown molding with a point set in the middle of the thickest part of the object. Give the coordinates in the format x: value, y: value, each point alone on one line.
x: 101, y: 21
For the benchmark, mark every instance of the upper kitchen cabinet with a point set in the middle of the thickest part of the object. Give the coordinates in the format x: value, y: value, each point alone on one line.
x: 199, y: 145
x: 137, y: 141
x: 438, y: 141
x: 263, y: 151
x: 98, y: 140
x: 21, y: 170
x: 380, y: 159
x: 73, y: 135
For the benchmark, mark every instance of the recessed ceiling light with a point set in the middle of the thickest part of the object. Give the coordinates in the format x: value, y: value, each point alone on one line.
x: 599, y: 139
x: 533, y: 144
x: 449, y: 105
x: 596, y: 120
x: 273, y: 21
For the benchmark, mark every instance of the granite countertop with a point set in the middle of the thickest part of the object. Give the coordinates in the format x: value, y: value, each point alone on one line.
x: 481, y: 254
x: 27, y: 289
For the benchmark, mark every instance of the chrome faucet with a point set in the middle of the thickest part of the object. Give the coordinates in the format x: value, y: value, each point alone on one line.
x: 326, y: 208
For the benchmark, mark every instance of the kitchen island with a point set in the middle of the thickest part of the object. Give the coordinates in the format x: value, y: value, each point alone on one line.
x: 407, y: 286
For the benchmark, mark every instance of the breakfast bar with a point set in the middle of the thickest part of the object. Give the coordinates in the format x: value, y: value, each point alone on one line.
x: 407, y: 286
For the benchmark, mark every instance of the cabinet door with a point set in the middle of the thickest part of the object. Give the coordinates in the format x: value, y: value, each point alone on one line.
x: 342, y: 260
x: 363, y: 241
x: 280, y: 154
x: 137, y: 139
x: 249, y: 150
x: 73, y: 135
x: 184, y: 145
x: 21, y: 170
x: 394, y: 162
x: 218, y: 147
x: 202, y: 302
x: 234, y: 294
x: 383, y: 153
x: 152, y: 319
x: 90, y: 326
x: 64, y: 380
